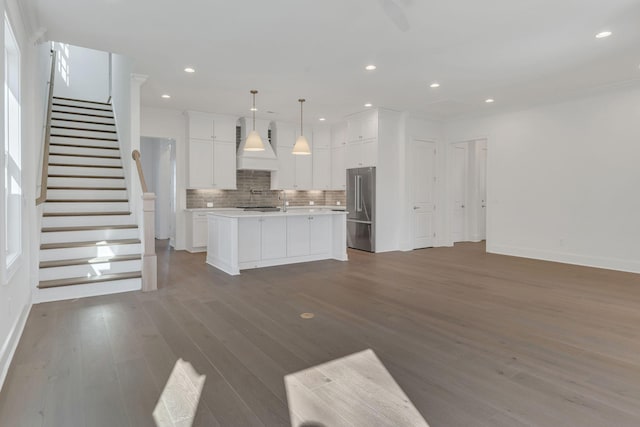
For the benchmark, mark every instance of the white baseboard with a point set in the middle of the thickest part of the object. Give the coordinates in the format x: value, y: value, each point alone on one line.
x: 11, y: 344
x: 626, y: 265
x: 83, y: 291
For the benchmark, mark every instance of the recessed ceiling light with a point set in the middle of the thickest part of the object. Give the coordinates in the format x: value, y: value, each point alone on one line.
x: 489, y: 101
x: 322, y: 119
x: 370, y: 67
x: 166, y: 96
x: 368, y: 105
x: 603, y: 34
x: 189, y: 70
x: 434, y: 85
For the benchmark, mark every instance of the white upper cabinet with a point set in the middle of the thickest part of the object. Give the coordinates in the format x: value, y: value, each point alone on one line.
x: 362, y: 140
x: 211, y: 151
x: 338, y: 153
x: 294, y: 172
x: 322, y: 159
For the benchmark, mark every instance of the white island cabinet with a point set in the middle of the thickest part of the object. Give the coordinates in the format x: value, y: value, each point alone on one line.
x: 241, y: 240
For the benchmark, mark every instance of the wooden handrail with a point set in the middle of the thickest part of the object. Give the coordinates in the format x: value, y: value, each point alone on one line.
x: 136, y: 156
x: 47, y: 134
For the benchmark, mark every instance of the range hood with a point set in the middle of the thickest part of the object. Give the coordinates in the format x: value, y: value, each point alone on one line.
x: 256, y: 160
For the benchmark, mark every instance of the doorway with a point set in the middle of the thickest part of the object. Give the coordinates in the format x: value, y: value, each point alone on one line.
x: 424, y: 193
x: 468, y: 191
x: 158, y: 156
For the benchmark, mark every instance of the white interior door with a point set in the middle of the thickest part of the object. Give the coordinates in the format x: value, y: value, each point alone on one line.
x: 482, y: 191
x: 424, y: 183
x: 459, y: 184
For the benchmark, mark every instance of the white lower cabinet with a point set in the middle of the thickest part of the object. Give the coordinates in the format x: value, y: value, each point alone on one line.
x: 262, y: 239
x: 308, y: 235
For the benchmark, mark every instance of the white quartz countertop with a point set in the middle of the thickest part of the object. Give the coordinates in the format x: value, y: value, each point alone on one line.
x: 235, y: 213
x: 304, y: 208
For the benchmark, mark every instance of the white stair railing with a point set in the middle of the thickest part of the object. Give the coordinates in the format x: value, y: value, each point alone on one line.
x: 149, y: 257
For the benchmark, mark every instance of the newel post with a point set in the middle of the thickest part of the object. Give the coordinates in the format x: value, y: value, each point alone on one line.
x: 149, y: 258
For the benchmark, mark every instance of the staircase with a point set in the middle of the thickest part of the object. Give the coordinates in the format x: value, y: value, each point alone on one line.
x: 89, y: 238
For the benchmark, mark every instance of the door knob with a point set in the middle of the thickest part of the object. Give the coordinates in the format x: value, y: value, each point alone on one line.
x: 462, y: 206
x: 415, y: 208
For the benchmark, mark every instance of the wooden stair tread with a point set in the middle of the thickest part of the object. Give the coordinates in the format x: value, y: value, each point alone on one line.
x: 95, y: 138
x: 88, y: 228
x: 82, y: 114
x: 86, y: 188
x: 89, y: 156
x: 112, y: 213
x: 84, y: 176
x: 85, y: 166
x: 87, y: 200
x: 89, y: 122
x: 95, y: 260
x: 58, y: 104
x: 82, y: 129
x: 101, y: 147
x: 89, y: 244
x: 44, y: 284
x: 81, y: 100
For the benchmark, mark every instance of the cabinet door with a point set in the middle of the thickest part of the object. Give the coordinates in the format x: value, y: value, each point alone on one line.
x: 284, y: 177
x: 369, y: 127
x: 224, y: 165
x: 319, y: 234
x: 304, y: 173
x: 200, y: 126
x: 274, y: 237
x: 200, y: 231
x: 297, y: 235
x: 224, y: 129
x: 370, y: 153
x: 338, y: 169
x: 353, y: 155
x: 321, y: 168
x: 200, y: 163
x: 339, y: 135
x: 354, y: 130
x: 249, y: 239
x: 322, y: 137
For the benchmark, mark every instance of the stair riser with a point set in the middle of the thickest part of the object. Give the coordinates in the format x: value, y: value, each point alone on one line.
x: 82, y: 110
x: 86, y: 207
x: 86, y: 270
x: 80, y: 221
x: 98, y: 143
x: 81, y: 103
x: 85, y: 182
x: 62, y: 150
x: 85, y: 124
x: 83, y: 133
x: 86, y: 194
x: 67, y: 116
x: 89, y: 252
x: 81, y: 171
x: 72, y: 160
x: 88, y: 235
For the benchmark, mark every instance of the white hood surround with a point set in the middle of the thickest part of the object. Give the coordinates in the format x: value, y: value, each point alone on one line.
x: 256, y: 160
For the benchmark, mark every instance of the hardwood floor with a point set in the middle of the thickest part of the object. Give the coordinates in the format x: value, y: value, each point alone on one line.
x: 472, y: 339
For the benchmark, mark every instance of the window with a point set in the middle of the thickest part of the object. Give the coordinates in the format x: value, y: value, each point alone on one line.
x: 12, y: 155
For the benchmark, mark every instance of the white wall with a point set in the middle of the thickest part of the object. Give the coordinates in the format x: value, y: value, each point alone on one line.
x: 563, y: 179
x: 82, y: 73
x: 156, y: 157
x: 169, y: 123
x: 15, y: 296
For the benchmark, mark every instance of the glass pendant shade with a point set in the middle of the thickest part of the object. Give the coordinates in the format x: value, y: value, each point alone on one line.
x: 254, y: 142
x: 301, y: 147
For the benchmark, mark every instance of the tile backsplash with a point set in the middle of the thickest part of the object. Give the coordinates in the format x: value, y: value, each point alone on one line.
x: 254, y: 190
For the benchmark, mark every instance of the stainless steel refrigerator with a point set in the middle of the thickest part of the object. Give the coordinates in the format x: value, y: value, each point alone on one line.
x: 361, y: 208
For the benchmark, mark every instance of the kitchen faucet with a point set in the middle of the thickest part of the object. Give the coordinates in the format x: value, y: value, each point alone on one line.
x: 284, y: 200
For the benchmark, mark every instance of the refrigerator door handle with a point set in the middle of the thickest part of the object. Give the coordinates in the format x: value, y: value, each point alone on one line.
x: 358, y: 193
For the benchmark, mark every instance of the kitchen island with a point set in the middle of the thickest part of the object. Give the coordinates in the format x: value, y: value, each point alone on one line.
x: 239, y: 240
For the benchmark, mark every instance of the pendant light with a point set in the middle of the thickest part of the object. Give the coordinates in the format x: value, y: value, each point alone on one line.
x: 254, y: 142
x: 301, y: 148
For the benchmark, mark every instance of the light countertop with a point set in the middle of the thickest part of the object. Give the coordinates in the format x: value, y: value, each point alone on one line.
x: 305, y: 208
x: 237, y: 213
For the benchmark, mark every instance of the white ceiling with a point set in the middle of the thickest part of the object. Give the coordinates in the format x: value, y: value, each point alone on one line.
x: 519, y: 52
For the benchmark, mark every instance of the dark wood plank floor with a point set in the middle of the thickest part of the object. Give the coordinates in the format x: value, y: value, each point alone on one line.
x: 473, y: 340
